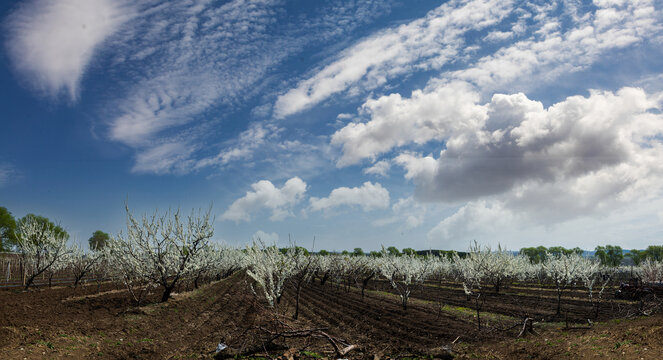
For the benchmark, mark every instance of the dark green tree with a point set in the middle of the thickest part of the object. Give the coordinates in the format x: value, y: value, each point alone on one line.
x: 409, y: 251
x: 323, y: 253
x: 654, y: 252
x: 637, y: 256
x: 559, y: 250
x: 358, y: 252
x: 392, y: 250
x: 98, y: 240
x: 609, y: 255
x: 536, y: 255
x: 7, y: 229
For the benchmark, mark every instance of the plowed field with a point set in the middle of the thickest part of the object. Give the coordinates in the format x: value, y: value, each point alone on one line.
x: 102, y: 323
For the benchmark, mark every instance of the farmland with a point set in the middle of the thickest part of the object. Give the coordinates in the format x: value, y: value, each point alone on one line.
x: 61, y: 322
x: 164, y: 290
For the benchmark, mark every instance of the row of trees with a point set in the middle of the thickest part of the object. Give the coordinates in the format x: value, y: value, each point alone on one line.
x: 43, y: 247
x: 9, y: 238
x: 160, y: 250
x: 608, y: 255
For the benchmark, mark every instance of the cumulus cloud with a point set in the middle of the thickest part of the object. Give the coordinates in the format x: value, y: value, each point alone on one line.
x: 447, y: 105
x: 427, y: 43
x: 369, y: 197
x: 406, y: 211
x: 472, y: 221
x: 51, y: 43
x: 267, y: 238
x: 265, y: 196
x: 496, y: 36
x: 421, y: 118
x: 380, y: 168
x: 577, y: 157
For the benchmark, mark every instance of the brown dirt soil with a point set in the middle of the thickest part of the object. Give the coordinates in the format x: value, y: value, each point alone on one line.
x: 640, y: 338
x: 516, y: 302
x: 63, y: 323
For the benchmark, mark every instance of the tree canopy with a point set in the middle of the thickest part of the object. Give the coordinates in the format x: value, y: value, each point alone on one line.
x: 610, y: 255
x: 99, y: 240
x: 7, y: 229
x: 46, y: 224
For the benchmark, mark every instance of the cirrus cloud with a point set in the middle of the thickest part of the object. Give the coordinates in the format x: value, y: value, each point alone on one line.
x: 51, y: 43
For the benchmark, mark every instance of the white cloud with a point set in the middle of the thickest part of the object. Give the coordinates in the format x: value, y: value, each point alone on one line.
x: 421, y: 118
x: 369, y: 197
x: 550, y: 52
x: 188, y: 57
x: 266, y: 196
x: 471, y: 222
x: 581, y: 156
x: 427, y: 43
x: 447, y: 106
x: 243, y: 147
x: 7, y: 172
x: 51, y: 43
x: 380, y: 168
x: 489, y: 222
x: 496, y: 36
x: 168, y: 157
x: 408, y: 211
x: 267, y: 238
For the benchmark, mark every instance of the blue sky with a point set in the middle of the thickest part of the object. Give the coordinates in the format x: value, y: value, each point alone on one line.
x: 420, y: 123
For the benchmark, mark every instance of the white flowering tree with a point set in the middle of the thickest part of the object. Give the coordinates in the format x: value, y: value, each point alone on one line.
x: 404, y: 272
x: 303, y: 269
x: 82, y: 262
x: 161, y: 249
x: 563, y: 270
x: 270, y: 269
x: 323, y: 267
x: 499, y: 266
x: 42, y: 246
x: 228, y: 260
x: 650, y: 271
x: 59, y: 267
x: 366, y: 268
x: 470, y: 270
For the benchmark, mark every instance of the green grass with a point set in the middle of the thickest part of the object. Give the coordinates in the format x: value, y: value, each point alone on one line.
x: 311, y: 354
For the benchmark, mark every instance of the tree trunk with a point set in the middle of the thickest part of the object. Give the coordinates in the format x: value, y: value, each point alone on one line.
x: 478, y: 312
x: 29, y: 282
x: 299, y: 290
x: 559, y: 300
x: 166, y: 292
x: 364, y: 283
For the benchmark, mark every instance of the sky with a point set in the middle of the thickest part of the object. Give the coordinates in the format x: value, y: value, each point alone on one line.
x: 340, y: 124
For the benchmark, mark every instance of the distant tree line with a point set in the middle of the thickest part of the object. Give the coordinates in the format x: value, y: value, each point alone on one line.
x: 392, y: 250
x: 10, y: 239
x: 608, y: 255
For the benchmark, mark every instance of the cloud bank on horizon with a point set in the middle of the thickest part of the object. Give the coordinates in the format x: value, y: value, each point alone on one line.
x: 490, y: 119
